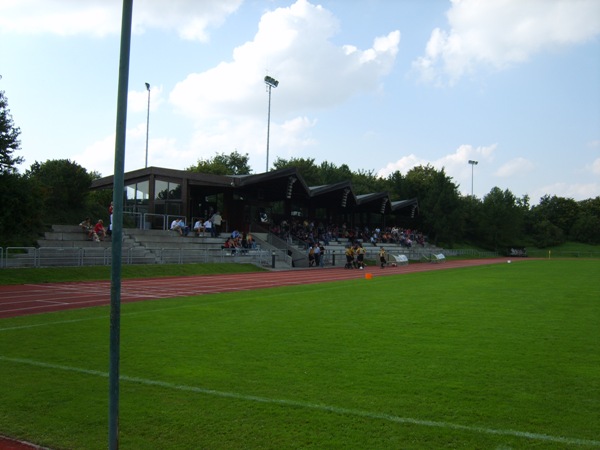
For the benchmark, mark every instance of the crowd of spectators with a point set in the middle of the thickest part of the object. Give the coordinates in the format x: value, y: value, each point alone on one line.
x: 311, y: 233
x: 239, y: 242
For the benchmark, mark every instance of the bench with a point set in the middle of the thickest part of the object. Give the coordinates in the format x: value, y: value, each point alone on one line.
x: 438, y: 258
x: 401, y: 260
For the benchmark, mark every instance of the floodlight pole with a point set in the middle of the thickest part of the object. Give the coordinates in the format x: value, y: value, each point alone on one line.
x: 147, y: 122
x: 271, y: 83
x: 473, y: 164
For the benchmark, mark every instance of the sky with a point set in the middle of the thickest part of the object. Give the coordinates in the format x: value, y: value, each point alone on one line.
x: 378, y: 85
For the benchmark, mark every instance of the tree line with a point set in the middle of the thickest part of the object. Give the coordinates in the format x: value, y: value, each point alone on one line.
x: 58, y: 192
x: 498, y: 220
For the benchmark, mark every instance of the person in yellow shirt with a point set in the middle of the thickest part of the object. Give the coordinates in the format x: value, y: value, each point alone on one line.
x: 360, y: 256
x: 382, y: 259
x: 349, y: 257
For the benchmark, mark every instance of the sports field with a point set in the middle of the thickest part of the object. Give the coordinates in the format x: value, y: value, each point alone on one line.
x: 499, y: 356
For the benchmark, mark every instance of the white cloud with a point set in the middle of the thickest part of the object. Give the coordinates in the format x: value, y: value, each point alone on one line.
x: 596, y: 166
x: 294, y: 45
x: 103, y: 17
x: 402, y: 165
x: 499, y: 33
x: 227, y: 104
x: 455, y: 164
x: 515, y: 167
x: 100, y: 155
x: 576, y: 191
x: 137, y: 101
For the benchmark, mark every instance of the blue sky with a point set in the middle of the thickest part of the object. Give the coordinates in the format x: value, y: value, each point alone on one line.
x: 379, y: 85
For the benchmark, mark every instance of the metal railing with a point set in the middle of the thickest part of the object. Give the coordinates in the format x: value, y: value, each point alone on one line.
x: 32, y: 257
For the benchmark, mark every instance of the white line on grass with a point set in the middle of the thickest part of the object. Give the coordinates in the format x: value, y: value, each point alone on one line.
x: 316, y: 406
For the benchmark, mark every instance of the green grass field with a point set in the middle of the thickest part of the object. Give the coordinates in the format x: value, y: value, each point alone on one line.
x: 502, y: 356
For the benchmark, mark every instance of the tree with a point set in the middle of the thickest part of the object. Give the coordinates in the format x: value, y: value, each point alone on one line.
x: 306, y: 167
x: 439, y: 202
x: 222, y: 164
x: 561, y: 212
x: 502, y: 219
x: 9, y: 139
x: 21, y: 211
x: 365, y: 182
x: 65, y: 188
x: 396, y: 185
x: 546, y: 234
x: 586, y: 228
x: 331, y: 174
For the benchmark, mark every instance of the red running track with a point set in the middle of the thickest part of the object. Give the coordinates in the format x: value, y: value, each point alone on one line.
x: 20, y: 300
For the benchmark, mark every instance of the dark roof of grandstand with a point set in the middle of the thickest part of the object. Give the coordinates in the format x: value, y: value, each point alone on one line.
x: 274, y: 185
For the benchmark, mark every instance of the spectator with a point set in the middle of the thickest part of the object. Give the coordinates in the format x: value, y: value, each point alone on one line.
x: 87, y: 227
x: 99, y: 232
x: 322, y: 253
x: 176, y: 227
x: 216, y: 220
x: 311, y: 256
x: 244, y: 241
x: 317, y: 248
x: 229, y: 245
x: 185, y: 230
x: 110, y: 215
x: 208, y: 227
x: 198, y: 228
x: 251, y: 242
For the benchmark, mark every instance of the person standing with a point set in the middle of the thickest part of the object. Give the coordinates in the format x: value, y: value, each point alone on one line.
x: 317, y: 248
x: 349, y: 256
x: 216, y: 220
x: 360, y: 256
x: 382, y: 259
x: 311, y: 255
x: 110, y: 215
x: 322, y: 259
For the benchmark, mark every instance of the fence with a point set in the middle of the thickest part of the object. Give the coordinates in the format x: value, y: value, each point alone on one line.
x: 31, y: 257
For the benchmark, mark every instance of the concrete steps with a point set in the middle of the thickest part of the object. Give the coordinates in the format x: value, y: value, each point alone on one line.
x: 68, y: 245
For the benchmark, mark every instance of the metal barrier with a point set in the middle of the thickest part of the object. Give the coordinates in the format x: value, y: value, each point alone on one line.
x: 32, y: 257
x: 155, y: 221
x: 132, y: 220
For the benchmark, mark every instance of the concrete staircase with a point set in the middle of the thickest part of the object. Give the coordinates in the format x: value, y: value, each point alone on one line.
x: 68, y: 245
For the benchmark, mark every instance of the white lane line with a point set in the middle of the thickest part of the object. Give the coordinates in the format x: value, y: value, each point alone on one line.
x: 317, y: 406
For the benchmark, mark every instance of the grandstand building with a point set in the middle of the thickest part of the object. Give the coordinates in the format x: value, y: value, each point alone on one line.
x: 155, y: 195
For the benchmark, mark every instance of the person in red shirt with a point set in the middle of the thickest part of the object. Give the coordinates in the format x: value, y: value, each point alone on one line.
x: 99, y: 231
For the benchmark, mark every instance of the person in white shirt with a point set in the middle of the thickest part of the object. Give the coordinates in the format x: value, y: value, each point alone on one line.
x: 175, y: 227
x: 198, y: 228
x: 208, y: 227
